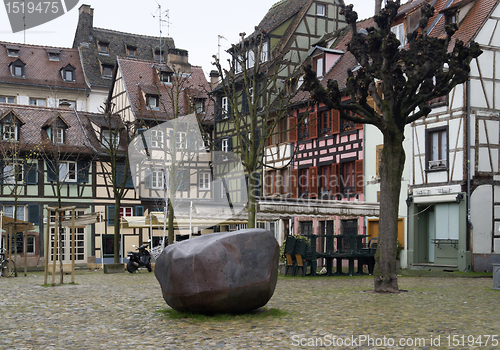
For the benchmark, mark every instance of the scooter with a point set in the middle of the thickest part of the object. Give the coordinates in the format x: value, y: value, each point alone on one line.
x: 139, y: 259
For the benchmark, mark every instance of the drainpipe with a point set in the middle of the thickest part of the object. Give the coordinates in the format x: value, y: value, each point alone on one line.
x: 468, y: 135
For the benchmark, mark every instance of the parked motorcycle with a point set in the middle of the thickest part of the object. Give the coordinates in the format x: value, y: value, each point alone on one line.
x: 142, y: 258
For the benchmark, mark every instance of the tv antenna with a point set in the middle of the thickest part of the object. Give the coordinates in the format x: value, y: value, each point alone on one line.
x: 160, y: 16
x: 219, y: 45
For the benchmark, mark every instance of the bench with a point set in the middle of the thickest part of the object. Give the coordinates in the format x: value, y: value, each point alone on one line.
x: 348, y: 247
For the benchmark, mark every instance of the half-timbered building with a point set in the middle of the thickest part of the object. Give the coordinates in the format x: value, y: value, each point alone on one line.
x: 453, y: 201
x: 47, y: 158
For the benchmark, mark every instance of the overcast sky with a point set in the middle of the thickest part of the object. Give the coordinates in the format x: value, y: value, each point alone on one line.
x: 194, y: 25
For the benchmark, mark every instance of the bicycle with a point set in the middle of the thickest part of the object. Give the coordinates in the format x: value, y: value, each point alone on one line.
x: 5, y: 264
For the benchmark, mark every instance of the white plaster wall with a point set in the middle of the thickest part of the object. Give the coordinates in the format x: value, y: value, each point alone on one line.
x: 96, y: 101
x: 481, y: 217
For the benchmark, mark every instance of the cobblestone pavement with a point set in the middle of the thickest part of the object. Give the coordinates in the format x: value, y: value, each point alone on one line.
x: 123, y: 311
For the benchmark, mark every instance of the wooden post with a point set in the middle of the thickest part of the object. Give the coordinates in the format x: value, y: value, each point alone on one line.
x: 54, y: 255
x: 47, y: 251
x: 25, y: 248
x: 9, y: 247
x: 73, y: 247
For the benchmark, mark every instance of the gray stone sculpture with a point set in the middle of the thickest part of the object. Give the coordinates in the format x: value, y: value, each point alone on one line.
x: 226, y: 272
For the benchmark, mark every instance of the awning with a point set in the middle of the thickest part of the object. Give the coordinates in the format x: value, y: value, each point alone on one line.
x: 8, y: 222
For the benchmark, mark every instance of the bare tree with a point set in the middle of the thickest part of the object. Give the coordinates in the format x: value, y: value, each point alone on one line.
x: 258, y: 89
x: 400, y: 82
x: 113, y: 137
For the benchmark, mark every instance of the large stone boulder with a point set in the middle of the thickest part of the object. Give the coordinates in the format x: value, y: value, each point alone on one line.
x: 220, y: 272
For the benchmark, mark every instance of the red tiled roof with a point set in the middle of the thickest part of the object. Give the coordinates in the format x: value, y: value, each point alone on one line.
x: 141, y: 77
x: 35, y: 118
x: 39, y: 69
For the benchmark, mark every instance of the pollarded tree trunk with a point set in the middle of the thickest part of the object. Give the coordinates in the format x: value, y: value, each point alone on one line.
x: 391, y: 171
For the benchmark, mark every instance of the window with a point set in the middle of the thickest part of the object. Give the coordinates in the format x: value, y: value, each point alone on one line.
x: 437, y: 148
x: 199, y: 105
x: 131, y: 51
x: 53, y: 56
x: 320, y: 10
x: 10, y: 132
x: 399, y: 31
x: 165, y: 77
x: 126, y: 211
x: 180, y: 140
x: 9, y: 211
x: 325, y: 118
x: 156, y: 138
x: 225, y: 145
x: 37, y: 102
x: 106, y: 137
x: 325, y: 184
x: 450, y: 17
x: 264, y: 53
x: 224, y: 107
x: 250, y: 59
x: 152, y: 102
x: 7, y: 99
x: 107, y: 71
x: 204, y: 181
x: 17, y: 68
x: 58, y: 135
x: 103, y: 48
x: 13, y: 52
x: 13, y: 173
x: 68, y: 73
x: 30, y: 245
x: 348, y: 180
x: 318, y: 62
x: 158, y: 55
x: 157, y: 179
x: 438, y: 101
x: 67, y: 172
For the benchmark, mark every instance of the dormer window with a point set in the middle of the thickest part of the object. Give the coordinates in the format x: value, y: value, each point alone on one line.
x: 53, y: 54
x: 450, y: 17
x: 320, y: 10
x: 158, y: 55
x: 399, y: 31
x: 199, y: 105
x: 110, y: 138
x: 152, y: 102
x: 68, y: 73
x: 165, y: 77
x: 103, y: 48
x: 107, y: 71
x: 131, y: 51
x: 17, y: 68
x: 56, y: 130
x: 10, y: 126
x: 12, y: 52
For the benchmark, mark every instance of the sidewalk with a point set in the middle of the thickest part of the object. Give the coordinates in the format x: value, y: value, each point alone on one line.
x: 122, y: 312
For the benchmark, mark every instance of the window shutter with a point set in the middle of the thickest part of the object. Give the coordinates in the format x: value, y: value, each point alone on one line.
x: 111, y: 214
x: 216, y: 194
x: 293, y: 133
x: 51, y: 173
x: 258, y: 188
x: 335, y: 121
x: 358, y: 168
x: 139, y: 210
x: 313, y: 125
x: 83, y: 171
x: 31, y: 174
x: 335, y: 179
x: 1, y: 170
x: 147, y: 178
x: 120, y: 173
x: 191, y: 141
x: 34, y: 214
x: 313, y: 181
x: 294, y: 186
x: 229, y: 144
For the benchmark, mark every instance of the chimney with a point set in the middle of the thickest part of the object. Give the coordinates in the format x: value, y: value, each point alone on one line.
x: 63, y: 103
x: 177, y: 59
x: 214, y: 79
x: 85, y: 28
